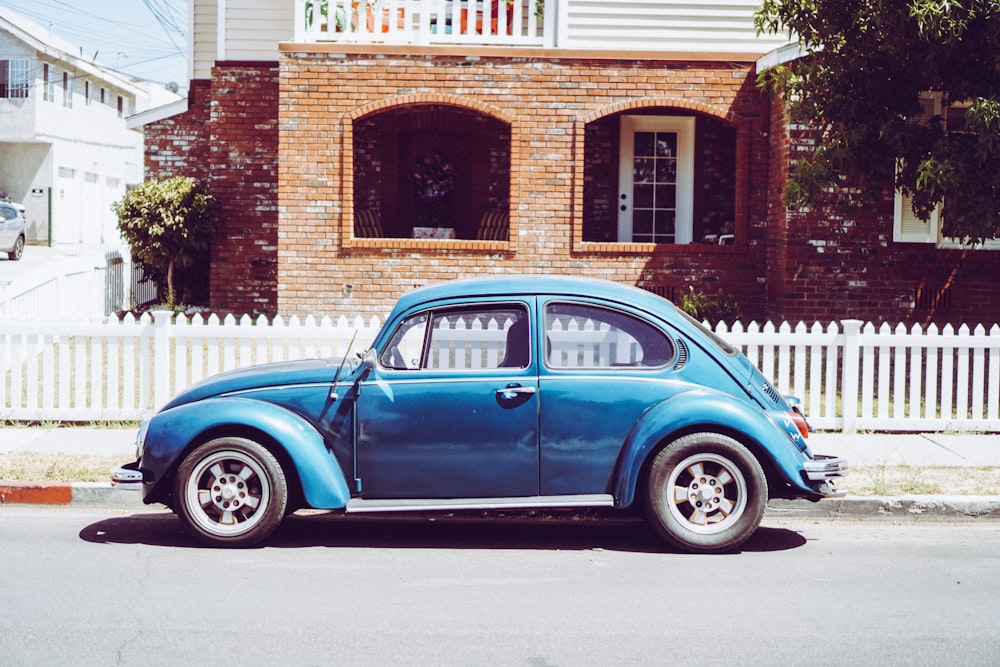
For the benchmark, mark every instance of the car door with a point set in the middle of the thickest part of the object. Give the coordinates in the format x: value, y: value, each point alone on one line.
x: 601, y: 370
x: 8, y: 231
x: 450, y: 409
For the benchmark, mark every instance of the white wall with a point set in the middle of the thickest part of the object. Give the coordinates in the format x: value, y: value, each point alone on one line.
x: 202, y: 37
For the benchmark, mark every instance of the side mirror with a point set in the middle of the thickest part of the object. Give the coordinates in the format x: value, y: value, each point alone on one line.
x: 369, y: 359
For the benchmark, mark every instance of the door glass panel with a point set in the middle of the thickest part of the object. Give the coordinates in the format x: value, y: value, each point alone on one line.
x: 460, y: 339
x: 479, y: 339
x: 660, y: 169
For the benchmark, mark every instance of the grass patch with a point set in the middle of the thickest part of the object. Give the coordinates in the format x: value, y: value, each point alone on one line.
x: 35, y: 467
x: 103, y: 424
x: 885, y: 480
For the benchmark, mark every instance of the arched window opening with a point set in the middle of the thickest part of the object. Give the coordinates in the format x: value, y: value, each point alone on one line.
x: 431, y: 171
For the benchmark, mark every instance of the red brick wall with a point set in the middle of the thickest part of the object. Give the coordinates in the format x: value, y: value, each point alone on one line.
x: 839, y: 261
x: 179, y: 145
x: 229, y: 136
x: 547, y: 103
x: 244, y: 159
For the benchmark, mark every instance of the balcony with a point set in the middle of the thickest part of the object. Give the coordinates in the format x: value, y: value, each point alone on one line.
x: 427, y: 22
x: 714, y: 29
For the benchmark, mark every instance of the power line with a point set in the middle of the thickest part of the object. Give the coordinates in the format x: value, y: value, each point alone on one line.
x: 106, y: 29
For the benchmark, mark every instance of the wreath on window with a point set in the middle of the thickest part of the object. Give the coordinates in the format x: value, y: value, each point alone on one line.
x: 433, y: 177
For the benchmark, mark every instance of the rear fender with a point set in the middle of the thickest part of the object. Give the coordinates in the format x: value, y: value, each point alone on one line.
x: 174, y: 432
x: 705, y: 410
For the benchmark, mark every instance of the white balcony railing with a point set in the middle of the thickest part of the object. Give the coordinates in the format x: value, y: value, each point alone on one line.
x: 427, y: 22
x: 720, y: 28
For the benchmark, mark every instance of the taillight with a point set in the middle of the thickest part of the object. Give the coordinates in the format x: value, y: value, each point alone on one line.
x: 800, y: 422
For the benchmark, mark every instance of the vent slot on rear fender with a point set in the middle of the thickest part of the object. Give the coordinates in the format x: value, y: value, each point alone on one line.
x: 682, y: 355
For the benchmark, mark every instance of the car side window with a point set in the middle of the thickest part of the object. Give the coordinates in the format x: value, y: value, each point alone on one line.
x: 482, y: 337
x: 405, y: 349
x: 585, y: 336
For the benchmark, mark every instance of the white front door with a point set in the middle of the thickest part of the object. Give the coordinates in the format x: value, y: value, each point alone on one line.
x: 656, y: 179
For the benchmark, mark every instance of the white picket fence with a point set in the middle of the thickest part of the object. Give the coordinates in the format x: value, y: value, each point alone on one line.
x: 125, y: 370
x: 859, y: 377
x: 850, y: 375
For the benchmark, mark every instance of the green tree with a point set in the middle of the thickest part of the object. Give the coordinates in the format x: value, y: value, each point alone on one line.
x: 859, y: 86
x: 167, y: 223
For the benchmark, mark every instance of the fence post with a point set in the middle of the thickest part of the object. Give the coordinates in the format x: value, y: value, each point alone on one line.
x: 161, y: 357
x: 850, y: 372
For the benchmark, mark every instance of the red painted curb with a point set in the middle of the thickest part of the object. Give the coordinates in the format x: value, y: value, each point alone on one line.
x: 37, y: 493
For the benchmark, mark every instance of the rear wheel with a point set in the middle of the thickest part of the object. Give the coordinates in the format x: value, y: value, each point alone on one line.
x: 230, y: 492
x: 706, y: 493
x: 16, y: 253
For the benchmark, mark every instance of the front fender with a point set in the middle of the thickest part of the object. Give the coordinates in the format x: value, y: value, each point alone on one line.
x: 173, y: 432
x: 706, y: 410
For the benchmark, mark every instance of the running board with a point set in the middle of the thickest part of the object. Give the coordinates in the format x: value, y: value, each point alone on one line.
x: 357, y: 505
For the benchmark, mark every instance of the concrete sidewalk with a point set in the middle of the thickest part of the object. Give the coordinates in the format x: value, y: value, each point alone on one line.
x: 90, y: 441
x: 888, y: 449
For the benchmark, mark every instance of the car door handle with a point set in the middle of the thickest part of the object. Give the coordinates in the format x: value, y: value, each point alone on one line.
x: 514, y: 391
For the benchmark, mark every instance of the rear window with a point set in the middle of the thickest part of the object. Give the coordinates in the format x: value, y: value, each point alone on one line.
x: 585, y: 336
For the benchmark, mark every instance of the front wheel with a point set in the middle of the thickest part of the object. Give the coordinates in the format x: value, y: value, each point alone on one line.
x: 15, y: 254
x: 706, y: 493
x: 230, y: 492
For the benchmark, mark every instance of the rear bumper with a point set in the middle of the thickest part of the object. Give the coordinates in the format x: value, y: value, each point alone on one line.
x: 822, y: 472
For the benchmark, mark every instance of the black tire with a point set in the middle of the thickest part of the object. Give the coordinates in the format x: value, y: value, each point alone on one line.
x: 15, y: 254
x: 230, y: 492
x: 706, y: 493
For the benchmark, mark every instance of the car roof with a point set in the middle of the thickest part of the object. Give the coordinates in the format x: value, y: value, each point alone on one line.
x: 512, y: 285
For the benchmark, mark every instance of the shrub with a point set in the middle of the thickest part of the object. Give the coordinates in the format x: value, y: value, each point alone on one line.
x: 168, y: 223
x: 713, y: 309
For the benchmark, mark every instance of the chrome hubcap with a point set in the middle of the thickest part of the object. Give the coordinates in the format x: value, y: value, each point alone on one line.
x: 226, y: 492
x: 708, y: 493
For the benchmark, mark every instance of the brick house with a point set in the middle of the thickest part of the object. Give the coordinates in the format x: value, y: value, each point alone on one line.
x: 566, y: 137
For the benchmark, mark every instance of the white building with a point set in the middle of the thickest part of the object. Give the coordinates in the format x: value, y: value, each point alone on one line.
x: 65, y: 150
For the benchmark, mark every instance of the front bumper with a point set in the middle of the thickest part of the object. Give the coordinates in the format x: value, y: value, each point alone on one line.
x: 822, y: 472
x: 127, y: 475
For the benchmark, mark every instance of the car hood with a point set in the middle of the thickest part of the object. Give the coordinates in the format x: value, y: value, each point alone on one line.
x: 306, y: 371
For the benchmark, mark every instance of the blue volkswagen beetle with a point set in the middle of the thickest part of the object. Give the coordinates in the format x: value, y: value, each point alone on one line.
x: 508, y: 392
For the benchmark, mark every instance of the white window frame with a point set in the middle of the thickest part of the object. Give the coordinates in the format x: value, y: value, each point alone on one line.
x: 906, y: 226
x: 684, y: 126
x: 49, y: 82
x: 67, y: 87
x: 17, y: 75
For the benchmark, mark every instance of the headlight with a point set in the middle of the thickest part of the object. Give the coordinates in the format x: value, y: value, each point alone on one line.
x: 140, y: 439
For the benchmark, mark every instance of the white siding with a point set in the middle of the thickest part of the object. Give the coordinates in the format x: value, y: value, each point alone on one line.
x: 254, y: 28
x: 204, y: 41
x: 708, y: 26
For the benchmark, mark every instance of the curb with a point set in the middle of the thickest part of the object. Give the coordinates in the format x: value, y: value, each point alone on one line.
x: 96, y: 494
x: 105, y: 494
x: 893, y: 508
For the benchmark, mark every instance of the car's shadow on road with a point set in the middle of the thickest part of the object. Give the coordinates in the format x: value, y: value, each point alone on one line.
x: 548, y: 532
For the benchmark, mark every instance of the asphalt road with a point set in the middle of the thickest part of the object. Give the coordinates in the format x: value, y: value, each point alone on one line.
x: 98, y: 588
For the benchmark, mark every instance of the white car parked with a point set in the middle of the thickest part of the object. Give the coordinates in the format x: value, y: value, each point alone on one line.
x: 12, y: 229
